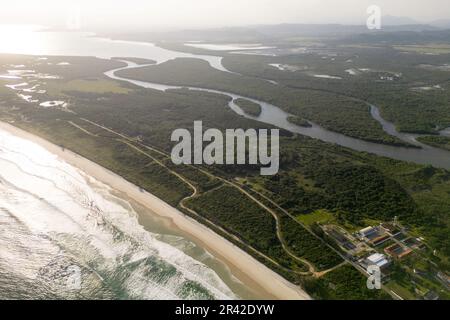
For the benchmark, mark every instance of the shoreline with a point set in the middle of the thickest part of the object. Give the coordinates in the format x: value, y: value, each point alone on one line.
x: 243, y: 266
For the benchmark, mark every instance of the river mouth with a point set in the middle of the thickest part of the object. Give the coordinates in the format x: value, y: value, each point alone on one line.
x: 88, y: 44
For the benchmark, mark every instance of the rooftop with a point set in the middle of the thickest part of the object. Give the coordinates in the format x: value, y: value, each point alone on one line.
x: 377, y: 259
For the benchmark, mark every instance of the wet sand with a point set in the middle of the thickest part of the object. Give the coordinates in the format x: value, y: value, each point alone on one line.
x: 252, y: 273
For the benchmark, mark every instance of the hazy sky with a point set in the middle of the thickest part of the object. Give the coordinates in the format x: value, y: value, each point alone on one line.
x: 206, y: 13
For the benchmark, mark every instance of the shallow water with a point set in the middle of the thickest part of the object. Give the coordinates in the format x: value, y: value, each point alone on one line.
x: 227, y: 47
x: 86, y: 44
x: 326, y: 76
x: 50, y: 104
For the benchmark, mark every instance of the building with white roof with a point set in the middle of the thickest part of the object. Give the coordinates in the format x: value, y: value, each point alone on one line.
x: 367, y: 232
x: 377, y: 259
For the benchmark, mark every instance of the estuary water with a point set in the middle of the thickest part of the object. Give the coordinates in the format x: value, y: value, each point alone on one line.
x: 86, y: 44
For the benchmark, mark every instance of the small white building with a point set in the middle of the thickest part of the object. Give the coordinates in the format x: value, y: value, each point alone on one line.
x: 377, y: 259
x: 366, y: 232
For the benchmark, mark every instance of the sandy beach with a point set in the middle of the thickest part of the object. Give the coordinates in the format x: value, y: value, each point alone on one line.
x: 242, y: 265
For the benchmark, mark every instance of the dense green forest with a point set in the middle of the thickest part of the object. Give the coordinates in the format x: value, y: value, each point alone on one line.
x: 414, y: 93
x: 332, y: 111
x: 360, y: 191
x: 231, y: 210
x: 345, y: 283
x: 249, y: 107
x: 299, y: 121
x: 436, y: 141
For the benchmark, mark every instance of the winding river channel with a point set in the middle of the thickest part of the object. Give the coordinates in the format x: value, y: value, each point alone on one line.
x: 274, y: 115
x: 85, y: 44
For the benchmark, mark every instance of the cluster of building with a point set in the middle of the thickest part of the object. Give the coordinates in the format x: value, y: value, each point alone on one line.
x: 397, y: 251
x: 377, y: 236
x: 377, y: 259
x: 362, y: 246
x: 380, y: 246
x: 373, y: 236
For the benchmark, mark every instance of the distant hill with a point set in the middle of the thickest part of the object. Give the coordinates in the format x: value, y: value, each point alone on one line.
x: 398, y: 21
x: 267, y: 33
x: 401, y: 37
x: 443, y: 23
x: 406, y: 21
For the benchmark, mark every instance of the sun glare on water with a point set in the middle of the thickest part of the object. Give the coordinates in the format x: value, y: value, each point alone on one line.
x: 21, y: 39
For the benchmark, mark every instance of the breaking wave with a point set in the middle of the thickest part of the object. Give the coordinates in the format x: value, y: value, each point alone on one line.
x: 58, y: 224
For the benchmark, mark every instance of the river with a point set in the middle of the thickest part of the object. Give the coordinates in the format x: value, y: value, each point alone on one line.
x: 274, y: 115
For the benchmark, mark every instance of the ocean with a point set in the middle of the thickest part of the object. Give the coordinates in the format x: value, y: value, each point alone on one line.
x: 65, y: 235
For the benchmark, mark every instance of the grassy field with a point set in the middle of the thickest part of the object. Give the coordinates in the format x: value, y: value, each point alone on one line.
x: 436, y: 141
x: 87, y: 86
x: 401, y: 290
x: 249, y: 107
x: 318, y: 216
x: 426, y: 49
x: 299, y: 121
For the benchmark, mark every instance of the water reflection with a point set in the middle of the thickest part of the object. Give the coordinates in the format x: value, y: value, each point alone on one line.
x: 21, y: 39
x: 29, y: 40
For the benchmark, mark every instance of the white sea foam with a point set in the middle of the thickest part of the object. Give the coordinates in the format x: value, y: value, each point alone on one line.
x: 326, y: 76
x: 56, y: 103
x: 50, y: 208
